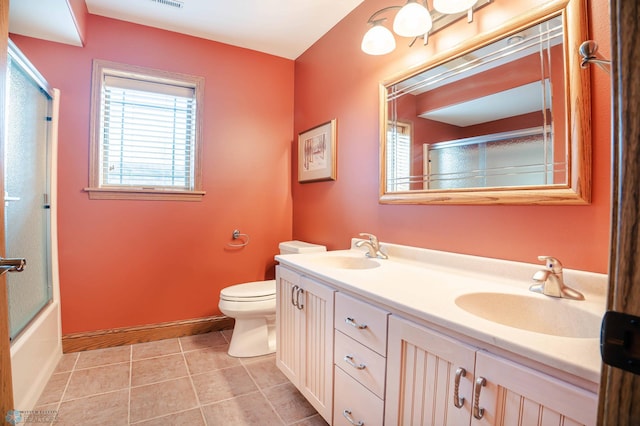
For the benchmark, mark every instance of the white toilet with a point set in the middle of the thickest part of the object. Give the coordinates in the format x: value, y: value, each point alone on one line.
x: 253, y: 305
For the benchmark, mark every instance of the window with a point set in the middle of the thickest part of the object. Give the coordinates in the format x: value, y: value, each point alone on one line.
x: 398, y: 156
x: 144, y: 134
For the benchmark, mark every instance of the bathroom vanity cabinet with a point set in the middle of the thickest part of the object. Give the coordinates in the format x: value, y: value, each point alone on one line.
x: 432, y: 376
x: 364, y: 360
x: 304, y: 329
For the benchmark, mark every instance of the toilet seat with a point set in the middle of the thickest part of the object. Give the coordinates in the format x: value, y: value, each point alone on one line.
x: 255, y: 291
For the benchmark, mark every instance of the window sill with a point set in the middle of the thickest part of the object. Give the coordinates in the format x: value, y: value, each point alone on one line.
x: 143, y: 194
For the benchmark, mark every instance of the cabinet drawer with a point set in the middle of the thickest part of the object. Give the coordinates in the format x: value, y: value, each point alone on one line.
x: 353, y: 400
x: 362, y: 322
x: 369, y: 368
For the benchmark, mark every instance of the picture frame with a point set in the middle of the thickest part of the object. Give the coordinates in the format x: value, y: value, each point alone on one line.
x: 317, y: 153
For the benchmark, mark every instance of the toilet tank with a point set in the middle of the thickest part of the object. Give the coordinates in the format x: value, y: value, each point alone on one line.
x: 295, y: 247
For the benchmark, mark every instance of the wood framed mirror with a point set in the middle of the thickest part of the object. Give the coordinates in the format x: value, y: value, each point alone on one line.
x: 503, y: 118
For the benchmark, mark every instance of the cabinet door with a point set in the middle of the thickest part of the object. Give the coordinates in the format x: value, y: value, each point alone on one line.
x: 287, y: 324
x: 517, y: 395
x: 316, y: 304
x: 421, y: 377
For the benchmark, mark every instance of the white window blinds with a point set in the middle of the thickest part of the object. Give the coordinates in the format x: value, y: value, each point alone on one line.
x: 398, y: 158
x: 147, y: 134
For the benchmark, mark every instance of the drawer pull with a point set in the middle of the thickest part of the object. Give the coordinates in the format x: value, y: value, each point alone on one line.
x: 349, y: 360
x: 353, y: 323
x: 347, y: 415
x: 457, y: 401
x: 478, y: 412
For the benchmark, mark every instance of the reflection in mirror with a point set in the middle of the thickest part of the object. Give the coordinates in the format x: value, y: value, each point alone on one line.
x: 492, y: 118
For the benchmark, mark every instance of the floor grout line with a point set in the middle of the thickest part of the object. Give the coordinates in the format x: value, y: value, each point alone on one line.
x: 193, y: 386
x: 66, y: 386
x: 101, y: 365
x: 162, y: 416
x: 159, y: 381
x: 93, y: 395
x: 156, y: 357
x: 262, y: 393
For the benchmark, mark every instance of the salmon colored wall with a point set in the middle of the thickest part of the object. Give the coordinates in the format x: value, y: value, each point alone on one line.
x: 335, y: 79
x: 126, y: 263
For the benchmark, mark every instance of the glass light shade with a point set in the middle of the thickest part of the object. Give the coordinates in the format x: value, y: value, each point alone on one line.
x: 412, y: 20
x: 378, y: 41
x: 453, y: 6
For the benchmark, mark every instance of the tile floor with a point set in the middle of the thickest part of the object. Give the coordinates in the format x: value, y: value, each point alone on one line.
x: 185, y: 381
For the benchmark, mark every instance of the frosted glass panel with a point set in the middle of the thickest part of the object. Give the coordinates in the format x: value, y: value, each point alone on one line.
x: 520, y: 162
x: 455, y: 167
x: 26, y: 186
x: 509, y: 160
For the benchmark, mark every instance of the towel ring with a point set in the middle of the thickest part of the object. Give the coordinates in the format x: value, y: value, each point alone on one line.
x: 236, y: 235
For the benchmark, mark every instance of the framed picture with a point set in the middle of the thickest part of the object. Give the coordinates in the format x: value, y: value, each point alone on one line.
x: 317, y: 153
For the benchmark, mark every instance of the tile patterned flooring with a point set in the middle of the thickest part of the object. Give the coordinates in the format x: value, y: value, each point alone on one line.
x: 185, y: 381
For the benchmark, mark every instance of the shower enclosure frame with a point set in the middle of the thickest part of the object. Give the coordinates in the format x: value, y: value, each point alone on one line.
x: 39, y: 343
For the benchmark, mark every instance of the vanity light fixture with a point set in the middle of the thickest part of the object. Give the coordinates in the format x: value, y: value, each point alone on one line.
x: 414, y: 20
x: 378, y: 40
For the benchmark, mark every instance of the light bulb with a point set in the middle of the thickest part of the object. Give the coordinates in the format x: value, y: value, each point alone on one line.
x: 378, y: 41
x: 412, y: 20
x: 453, y: 6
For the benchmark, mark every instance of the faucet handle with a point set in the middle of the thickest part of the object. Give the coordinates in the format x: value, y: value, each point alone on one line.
x: 551, y: 263
x: 372, y: 238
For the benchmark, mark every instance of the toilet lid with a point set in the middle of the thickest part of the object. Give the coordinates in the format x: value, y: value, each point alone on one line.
x: 257, y: 290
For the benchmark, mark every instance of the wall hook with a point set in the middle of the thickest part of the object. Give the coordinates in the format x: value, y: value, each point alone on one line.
x: 588, y: 51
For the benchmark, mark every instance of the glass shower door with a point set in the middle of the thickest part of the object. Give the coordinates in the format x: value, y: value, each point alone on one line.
x: 26, y: 190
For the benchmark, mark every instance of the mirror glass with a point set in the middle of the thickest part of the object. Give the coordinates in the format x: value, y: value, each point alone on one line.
x: 485, y: 125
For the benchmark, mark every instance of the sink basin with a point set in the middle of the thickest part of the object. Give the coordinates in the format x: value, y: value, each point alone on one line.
x: 346, y: 262
x: 551, y: 316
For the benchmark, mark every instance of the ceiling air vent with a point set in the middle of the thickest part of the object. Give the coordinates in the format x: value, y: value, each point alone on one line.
x: 173, y: 3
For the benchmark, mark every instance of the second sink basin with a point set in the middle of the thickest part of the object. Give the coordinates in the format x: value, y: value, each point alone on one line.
x: 555, y: 317
x: 346, y: 262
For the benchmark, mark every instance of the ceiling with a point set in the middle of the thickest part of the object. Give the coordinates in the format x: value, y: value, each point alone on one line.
x: 497, y: 106
x: 284, y: 28
x: 51, y: 20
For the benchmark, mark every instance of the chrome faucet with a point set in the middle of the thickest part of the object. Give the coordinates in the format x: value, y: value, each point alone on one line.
x: 551, y: 282
x: 373, y: 245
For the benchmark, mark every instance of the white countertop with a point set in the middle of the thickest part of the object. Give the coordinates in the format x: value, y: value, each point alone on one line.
x: 424, y: 284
